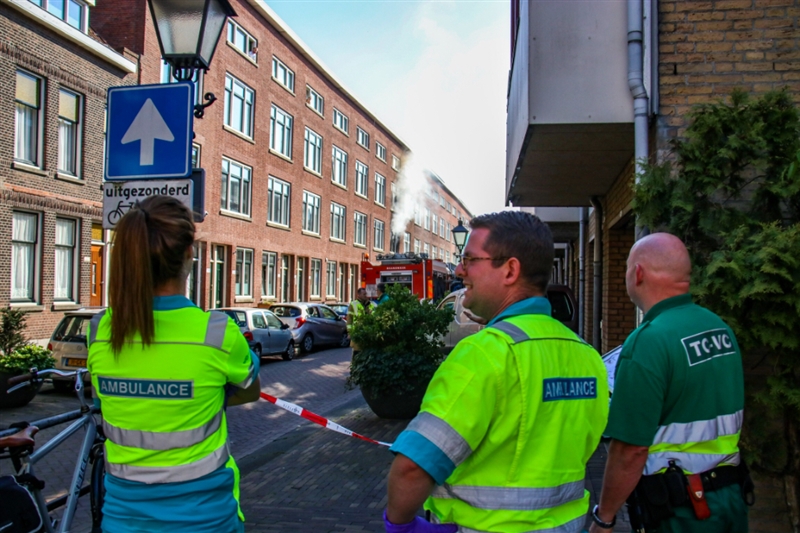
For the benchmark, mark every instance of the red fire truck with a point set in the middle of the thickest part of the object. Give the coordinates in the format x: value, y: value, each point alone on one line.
x: 427, y: 278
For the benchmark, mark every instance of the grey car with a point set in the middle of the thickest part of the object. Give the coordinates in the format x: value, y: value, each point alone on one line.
x: 265, y: 334
x: 68, y: 344
x: 312, y: 324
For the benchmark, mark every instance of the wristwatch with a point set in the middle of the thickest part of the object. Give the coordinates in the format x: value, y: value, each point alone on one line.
x: 604, y: 525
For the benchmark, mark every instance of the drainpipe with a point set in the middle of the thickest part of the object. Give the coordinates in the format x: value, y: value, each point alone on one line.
x: 598, y: 271
x: 582, y: 267
x: 636, y: 85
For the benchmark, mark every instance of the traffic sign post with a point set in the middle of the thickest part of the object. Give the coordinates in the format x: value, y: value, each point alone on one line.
x: 149, y: 131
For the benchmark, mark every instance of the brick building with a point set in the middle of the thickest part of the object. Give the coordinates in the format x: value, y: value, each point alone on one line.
x: 299, y: 173
x: 580, y: 116
x: 54, y: 73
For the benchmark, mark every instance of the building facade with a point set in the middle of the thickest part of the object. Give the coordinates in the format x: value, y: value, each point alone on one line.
x: 54, y: 71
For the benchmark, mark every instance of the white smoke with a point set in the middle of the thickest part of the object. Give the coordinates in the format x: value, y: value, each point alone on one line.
x: 412, y: 189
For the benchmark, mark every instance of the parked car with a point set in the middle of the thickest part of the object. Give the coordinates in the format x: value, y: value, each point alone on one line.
x: 264, y: 332
x: 340, y: 309
x: 562, y: 301
x: 312, y: 324
x: 68, y: 344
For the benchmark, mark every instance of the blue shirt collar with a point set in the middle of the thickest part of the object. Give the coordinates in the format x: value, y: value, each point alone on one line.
x: 537, y: 305
x: 172, y: 302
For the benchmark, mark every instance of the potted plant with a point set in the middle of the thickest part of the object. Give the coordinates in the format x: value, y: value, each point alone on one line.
x: 401, y: 348
x: 18, y: 357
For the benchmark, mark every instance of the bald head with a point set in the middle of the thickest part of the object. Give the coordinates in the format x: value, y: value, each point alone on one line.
x: 658, y: 268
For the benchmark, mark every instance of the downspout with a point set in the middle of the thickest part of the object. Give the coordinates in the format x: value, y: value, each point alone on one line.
x: 582, y: 268
x: 641, y: 104
x: 598, y: 271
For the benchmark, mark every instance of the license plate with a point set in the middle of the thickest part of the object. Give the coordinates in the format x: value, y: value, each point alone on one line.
x: 75, y: 362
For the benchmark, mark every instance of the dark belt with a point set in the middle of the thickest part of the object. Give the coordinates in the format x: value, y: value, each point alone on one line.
x: 723, y: 476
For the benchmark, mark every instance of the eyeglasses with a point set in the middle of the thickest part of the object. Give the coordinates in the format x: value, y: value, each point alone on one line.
x: 465, y: 260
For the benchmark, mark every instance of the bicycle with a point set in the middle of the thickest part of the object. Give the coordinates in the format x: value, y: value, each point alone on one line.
x: 17, y: 444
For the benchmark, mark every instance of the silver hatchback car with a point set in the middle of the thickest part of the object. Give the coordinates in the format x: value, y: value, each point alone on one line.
x: 265, y: 334
x: 312, y: 324
x: 68, y: 344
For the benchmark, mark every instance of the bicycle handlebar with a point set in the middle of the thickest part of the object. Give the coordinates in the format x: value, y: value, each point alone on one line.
x: 34, y: 374
x: 19, y: 379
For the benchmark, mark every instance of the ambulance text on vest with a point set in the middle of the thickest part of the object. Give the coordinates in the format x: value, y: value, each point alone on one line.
x: 145, y: 388
x: 569, y: 389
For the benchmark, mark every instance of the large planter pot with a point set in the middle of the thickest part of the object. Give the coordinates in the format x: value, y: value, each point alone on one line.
x: 395, y: 406
x: 19, y: 397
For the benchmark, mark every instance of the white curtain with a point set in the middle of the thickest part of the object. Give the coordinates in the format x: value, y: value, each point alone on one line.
x: 23, y: 255
x: 26, y: 134
x: 67, y: 143
x: 65, y: 258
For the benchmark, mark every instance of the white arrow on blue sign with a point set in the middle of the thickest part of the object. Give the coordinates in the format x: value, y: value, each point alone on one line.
x: 149, y: 131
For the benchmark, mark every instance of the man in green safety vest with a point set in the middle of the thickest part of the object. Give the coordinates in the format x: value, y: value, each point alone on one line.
x: 677, y: 408
x: 361, y: 304
x: 514, y: 413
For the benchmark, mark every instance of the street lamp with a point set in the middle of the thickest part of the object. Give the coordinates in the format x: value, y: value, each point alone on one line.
x: 188, y: 32
x: 460, y: 236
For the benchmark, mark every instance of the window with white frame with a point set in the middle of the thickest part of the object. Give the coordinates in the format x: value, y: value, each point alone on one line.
x: 73, y: 12
x: 380, y: 189
x: 316, y: 275
x: 197, y: 80
x: 269, y: 271
x: 314, y: 100
x: 235, y: 187
x: 313, y: 151
x: 448, y: 232
x: 241, y: 40
x: 238, y: 112
x: 311, y: 203
x: 282, y: 74
x: 426, y: 219
x: 27, y: 134
x: 330, y: 279
x: 362, y: 137
x: 362, y: 178
x: 243, y: 285
x: 417, y: 216
x: 360, y: 235
x: 340, y: 120
x: 380, y: 151
x: 441, y: 228
x: 339, y: 167
x: 338, y: 223
x: 65, y: 260
x: 196, y: 155
x: 279, y: 198
x: 406, y: 242
x: 280, y: 131
x: 394, y: 243
x: 426, y: 249
x: 434, y: 224
x: 395, y: 162
x: 416, y: 246
x: 379, y: 234
x: 69, y: 132
x: 24, y: 256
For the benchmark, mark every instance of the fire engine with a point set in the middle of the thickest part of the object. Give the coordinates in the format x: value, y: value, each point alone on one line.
x: 426, y: 278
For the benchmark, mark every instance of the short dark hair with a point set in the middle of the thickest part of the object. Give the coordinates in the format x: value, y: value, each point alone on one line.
x: 382, y: 288
x: 521, y: 235
x: 360, y: 290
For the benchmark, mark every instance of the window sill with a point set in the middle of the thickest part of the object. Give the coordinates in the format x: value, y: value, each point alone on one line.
x: 285, y: 158
x: 336, y: 183
x: 24, y: 167
x: 362, y: 146
x: 377, y: 249
x: 362, y: 196
x: 238, y: 134
x: 284, y: 87
x: 315, y: 299
x: 341, y: 130
x: 70, y: 178
x: 339, y: 241
x: 356, y: 245
x: 315, y: 110
x: 29, y: 307
x: 234, y: 214
x: 247, y: 57
x: 311, y: 234
x: 65, y: 306
x: 278, y: 226
x: 311, y: 171
x: 243, y: 299
x: 379, y: 159
x: 380, y: 205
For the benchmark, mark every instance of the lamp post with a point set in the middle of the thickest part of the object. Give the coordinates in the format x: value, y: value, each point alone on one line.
x: 188, y: 32
x: 460, y: 234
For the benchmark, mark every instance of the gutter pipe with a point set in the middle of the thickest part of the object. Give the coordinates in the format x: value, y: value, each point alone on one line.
x: 582, y: 268
x: 641, y: 102
x: 598, y: 271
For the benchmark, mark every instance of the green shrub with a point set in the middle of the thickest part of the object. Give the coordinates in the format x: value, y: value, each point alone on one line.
x: 12, y: 324
x: 27, y: 357
x: 400, y: 344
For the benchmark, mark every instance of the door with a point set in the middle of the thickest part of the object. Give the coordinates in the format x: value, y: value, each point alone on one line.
x: 285, y: 279
x: 217, y: 277
x: 261, y: 333
x: 279, y: 337
x: 301, y: 279
x: 96, y: 298
x: 334, y: 325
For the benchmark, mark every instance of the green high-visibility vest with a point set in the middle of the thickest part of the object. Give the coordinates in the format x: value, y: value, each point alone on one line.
x: 521, y: 441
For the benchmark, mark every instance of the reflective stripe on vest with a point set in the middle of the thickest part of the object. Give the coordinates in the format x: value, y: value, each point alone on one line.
x: 215, y: 334
x: 442, y: 435
x: 513, y: 498
x: 171, y: 474
x: 700, y: 430
x: 94, y: 324
x: 249, y: 379
x: 573, y: 526
x: 153, y: 440
x: 518, y: 335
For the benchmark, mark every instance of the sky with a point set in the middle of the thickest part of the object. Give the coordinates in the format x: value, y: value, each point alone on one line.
x: 433, y: 71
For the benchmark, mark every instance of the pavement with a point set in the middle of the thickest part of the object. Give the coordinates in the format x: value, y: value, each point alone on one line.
x: 296, y: 476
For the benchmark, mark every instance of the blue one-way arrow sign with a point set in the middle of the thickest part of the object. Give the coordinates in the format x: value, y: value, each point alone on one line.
x: 149, y: 131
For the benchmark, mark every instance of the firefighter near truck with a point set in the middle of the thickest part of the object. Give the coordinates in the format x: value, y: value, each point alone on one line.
x: 428, y: 279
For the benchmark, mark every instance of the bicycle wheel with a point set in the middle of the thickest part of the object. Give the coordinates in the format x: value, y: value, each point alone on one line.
x: 97, y: 491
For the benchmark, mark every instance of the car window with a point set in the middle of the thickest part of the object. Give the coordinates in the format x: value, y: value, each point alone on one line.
x: 328, y: 313
x: 72, y: 329
x: 449, y: 303
x: 258, y: 320
x: 285, y: 311
x: 272, y: 320
x: 312, y: 311
x: 562, y: 307
x: 239, y: 317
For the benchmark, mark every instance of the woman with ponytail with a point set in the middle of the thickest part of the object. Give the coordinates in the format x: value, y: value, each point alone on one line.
x: 160, y: 370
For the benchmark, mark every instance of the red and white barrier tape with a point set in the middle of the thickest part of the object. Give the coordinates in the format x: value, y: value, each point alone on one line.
x: 322, y: 421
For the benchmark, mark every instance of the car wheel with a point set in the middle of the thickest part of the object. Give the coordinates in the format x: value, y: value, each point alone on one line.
x: 288, y: 355
x: 64, y: 387
x: 308, y: 343
x: 257, y: 350
x: 345, y: 340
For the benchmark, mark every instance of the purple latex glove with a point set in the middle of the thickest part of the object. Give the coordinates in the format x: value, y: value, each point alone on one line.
x: 418, y: 525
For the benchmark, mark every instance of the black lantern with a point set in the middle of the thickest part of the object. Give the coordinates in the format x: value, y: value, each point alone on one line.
x: 188, y: 31
x: 460, y: 236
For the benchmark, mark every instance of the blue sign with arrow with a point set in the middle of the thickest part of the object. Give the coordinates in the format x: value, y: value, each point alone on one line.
x: 149, y: 131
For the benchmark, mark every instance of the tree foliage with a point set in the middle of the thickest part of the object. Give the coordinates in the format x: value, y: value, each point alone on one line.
x: 732, y: 193
x: 400, y: 343
x: 12, y: 325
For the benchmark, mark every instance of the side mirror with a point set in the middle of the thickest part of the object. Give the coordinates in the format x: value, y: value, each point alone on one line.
x: 284, y: 325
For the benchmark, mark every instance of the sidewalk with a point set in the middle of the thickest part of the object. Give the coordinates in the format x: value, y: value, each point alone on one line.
x: 316, y: 480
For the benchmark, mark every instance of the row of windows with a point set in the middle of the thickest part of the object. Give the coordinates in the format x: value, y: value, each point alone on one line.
x: 432, y: 223
x: 29, y: 124
x: 312, y: 214
x: 308, y: 270
x: 73, y: 12
x: 26, y: 257
x: 424, y: 247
